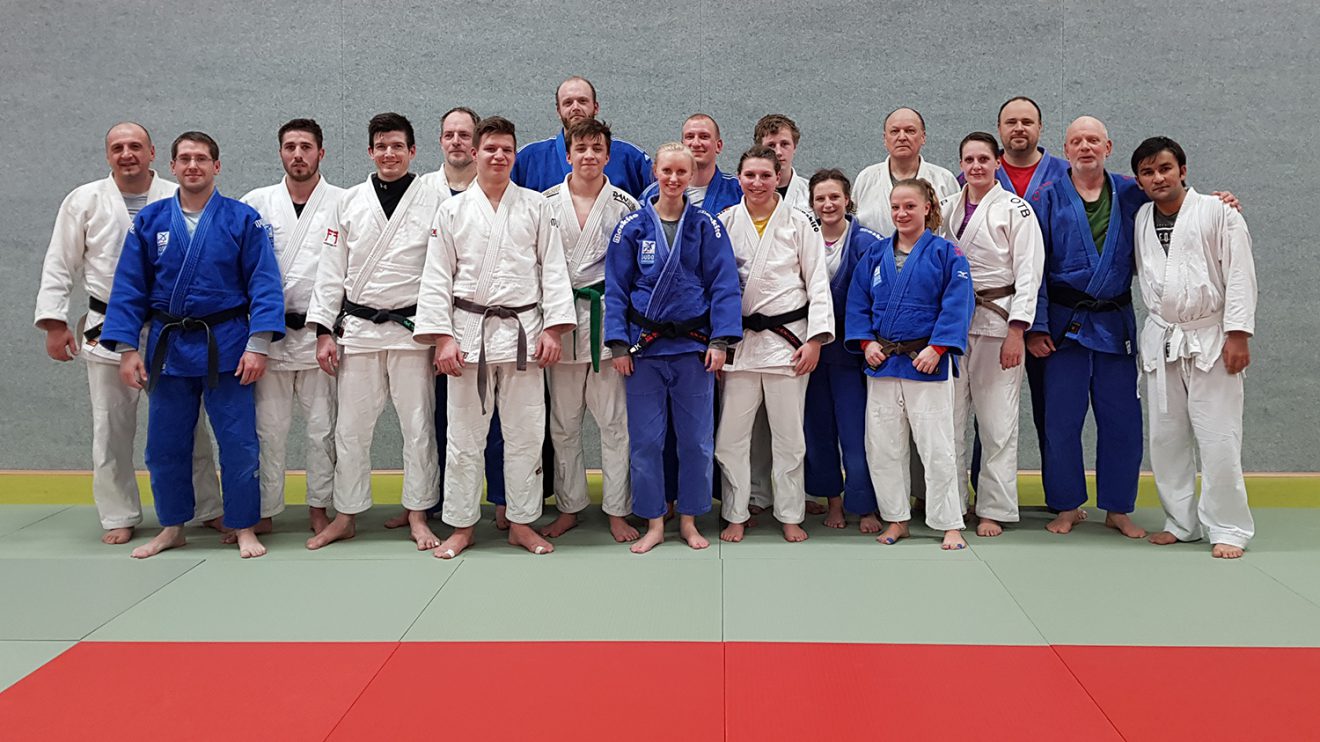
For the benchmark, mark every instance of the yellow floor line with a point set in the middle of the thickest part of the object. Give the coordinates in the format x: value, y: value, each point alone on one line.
x: 1285, y: 490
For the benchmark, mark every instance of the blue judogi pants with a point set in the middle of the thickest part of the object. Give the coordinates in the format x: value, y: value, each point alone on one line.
x: 836, y: 420
x: 662, y: 390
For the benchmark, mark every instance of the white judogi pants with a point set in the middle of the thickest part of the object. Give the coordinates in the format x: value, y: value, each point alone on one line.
x: 520, y: 398
x: 991, y: 393
x: 574, y: 389
x: 762, y: 468
x: 316, y: 393
x: 785, y: 400
x: 366, y: 380
x: 114, y: 426
x: 896, y: 408
x: 1205, y: 414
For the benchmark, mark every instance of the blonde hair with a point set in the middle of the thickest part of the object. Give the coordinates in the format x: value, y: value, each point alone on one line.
x: 923, y: 186
x: 668, y: 147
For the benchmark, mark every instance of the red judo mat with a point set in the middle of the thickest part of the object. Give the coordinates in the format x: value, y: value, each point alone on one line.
x: 695, y: 692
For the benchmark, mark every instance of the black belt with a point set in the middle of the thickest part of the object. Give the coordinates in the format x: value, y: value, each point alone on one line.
x: 295, y: 320
x: 775, y: 323
x: 96, y: 305
x: 1075, y: 300
x: 985, y: 298
x: 909, y: 348
x: 501, y: 312
x: 402, y: 315
x: 173, y: 323
x: 653, y: 331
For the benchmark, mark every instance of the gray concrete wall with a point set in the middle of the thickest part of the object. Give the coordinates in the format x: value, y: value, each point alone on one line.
x: 1228, y: 80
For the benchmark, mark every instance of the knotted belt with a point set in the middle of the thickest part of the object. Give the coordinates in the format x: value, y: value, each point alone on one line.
x: 502, y: 312
x: 653, y: 331
x: 1082, y: 301
x: 593, y: 293
x: 909, y: 348
x: 174, y: 323
x: 775, y: 323
x: 985, y: 298
x: 402, y: 315
x: 96, y: 305
x: 1174, y: 342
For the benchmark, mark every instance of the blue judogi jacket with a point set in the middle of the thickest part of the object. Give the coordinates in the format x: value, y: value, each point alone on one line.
x: 1071, y: 261
x: 722, y: 192
x: 861, y: 242
x: 695, y: 276
x: 931, y: 297
x: 1048, y: 170
x: 228, y: 262
x: 541, y: 165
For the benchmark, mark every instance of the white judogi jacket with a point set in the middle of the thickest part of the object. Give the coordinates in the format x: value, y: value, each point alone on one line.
x: 1204, y: 288
x: 779, y: 272
x: 799, y: 192
x: 86, y: 242
x: 584, y: 249
x: 298, y: 241
x: 375, y: 261
x: 511, y: 257
x: 1004, y: 247
x: 438, y: 181
x: 872, y: 188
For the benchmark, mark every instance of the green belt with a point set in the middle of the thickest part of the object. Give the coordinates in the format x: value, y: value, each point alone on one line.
x: 593, y: 293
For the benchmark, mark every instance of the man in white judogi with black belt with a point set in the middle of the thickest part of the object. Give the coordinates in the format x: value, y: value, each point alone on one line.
x: 1198, y: 282
x: 88, y: 236
x: 365, y: 297
x: 587, y: 209
x: 495, y: 294
x: 298, y: 210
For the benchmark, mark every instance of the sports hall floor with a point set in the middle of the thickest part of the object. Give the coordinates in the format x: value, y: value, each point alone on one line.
x: 1029, y: 636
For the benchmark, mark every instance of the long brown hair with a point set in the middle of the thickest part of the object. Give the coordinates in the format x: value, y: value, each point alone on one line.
x: 923, y: 186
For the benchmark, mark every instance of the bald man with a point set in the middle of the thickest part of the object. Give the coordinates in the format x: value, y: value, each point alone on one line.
x: 86, y: 241
x: 905, y: 135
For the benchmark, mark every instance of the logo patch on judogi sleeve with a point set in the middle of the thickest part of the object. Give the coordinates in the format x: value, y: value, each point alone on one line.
x: 162, y: 242
x: 877, y: 276
x: 647, y: 254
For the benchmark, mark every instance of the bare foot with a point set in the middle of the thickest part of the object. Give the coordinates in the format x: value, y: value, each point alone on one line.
x: 459, y: 540
x: 870, y: 523
x: 398, y: 521
x: 815, y: 508
x: 420, y: 531
x: 793, y: 533
x: 501, y: 520
x: 1163, y: 538
x: 248, y: 545
x: 655, y: 535
x: 623, y: 531
x: 342, y: 528
x: 265, y: 525
x: 320, y: 519
x: 216, y: 524
x: 989, y: 528
x: 953, y: 541
x: 835, y: 517
x: 687, y: 529
x: 893, y: 533
x: 560, y: 525
x: 1064, y: 522
x: 1226, y: 551
x: 524, y: 536
x: 733, y: 533
x: 170, y: 537
x: 117, y: 535
x: 1122, y: 523
x: 755, y: 509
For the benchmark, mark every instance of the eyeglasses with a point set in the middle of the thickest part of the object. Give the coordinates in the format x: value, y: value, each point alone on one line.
x: 192, y: 159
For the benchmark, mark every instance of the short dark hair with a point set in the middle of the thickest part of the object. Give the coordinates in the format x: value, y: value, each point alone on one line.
x: 1033, y: 103
x: 827, y: 174
x: 984, y: 138
x: 1155, y: 145
x: 760, y: 152
x: 709, y: 118
x: 587, y: 129
x: 460, y: 109
x: 494, y: 125
x: 771, y: 123
x: 575, y: 78
x: 308, y: 125
x: 386, y: 122
x: 922, y: 119
x: 198, y: 137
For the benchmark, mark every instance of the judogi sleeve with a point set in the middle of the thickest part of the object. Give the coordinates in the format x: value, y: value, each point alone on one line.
x: 557, y: 308
x: 1028, y: 264
x: 816, y: 278
x: 63, y: 264
x: 1239, y: 268
x: 265, y: 288
x: 722, y: 288
x: 130, y: 295
x: 857, y: 322
x: 620, y: 276
x: 328, y: 291
x: 435, y: 297
x: 1041, y: 323
x: 956, y: 304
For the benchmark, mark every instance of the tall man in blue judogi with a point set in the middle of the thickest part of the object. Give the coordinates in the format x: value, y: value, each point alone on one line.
x: 200, y: 269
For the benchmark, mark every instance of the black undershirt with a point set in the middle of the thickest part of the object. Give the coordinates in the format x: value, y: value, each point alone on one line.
x: 783, y: 190
x: 392, y: 192
x: 297, y: 208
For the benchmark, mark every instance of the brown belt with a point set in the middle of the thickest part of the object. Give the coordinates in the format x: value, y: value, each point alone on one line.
x: 486, y: 313
x: 985, y: 298
x: 909, y: 348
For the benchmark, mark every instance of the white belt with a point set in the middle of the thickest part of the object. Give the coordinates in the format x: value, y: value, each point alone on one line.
x: 1173, y: 342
